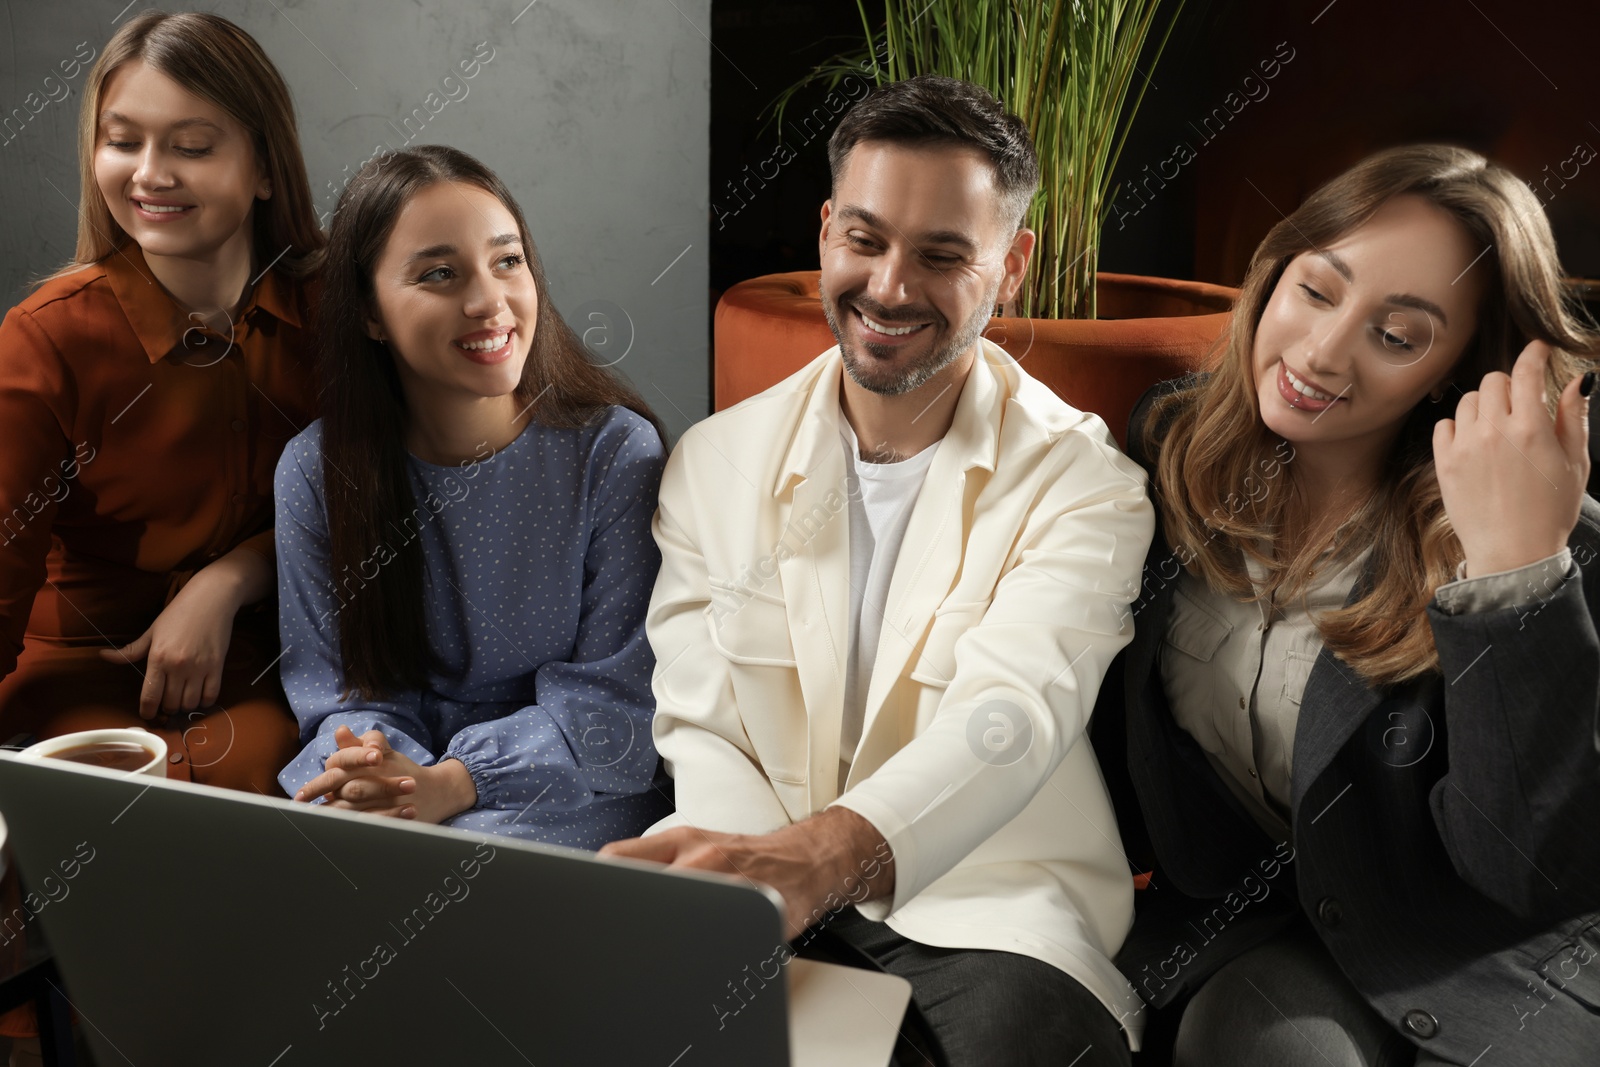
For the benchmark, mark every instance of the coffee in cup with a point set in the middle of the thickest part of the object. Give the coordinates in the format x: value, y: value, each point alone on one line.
x: 128, y: 751
x: 112, y: 755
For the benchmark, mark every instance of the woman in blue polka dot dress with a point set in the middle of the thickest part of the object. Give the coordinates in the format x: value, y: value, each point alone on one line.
x: 464, y: 549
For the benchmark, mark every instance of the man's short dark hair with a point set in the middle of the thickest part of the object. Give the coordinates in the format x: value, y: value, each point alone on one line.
x: 932, y: 109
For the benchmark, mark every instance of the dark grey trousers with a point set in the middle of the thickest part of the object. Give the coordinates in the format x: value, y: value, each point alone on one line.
x: 996, y: 1008
x: 1285, y: 1003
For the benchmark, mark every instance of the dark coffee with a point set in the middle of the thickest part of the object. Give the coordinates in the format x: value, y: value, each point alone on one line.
x: 112, y: 755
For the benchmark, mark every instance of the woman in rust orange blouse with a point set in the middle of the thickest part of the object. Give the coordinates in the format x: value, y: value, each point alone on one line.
x: 146, y: 390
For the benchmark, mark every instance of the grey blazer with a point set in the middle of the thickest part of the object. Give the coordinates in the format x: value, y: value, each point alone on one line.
x: 1446, y: 833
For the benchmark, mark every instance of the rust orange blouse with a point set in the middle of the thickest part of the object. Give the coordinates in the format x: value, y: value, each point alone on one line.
x: 135, y: 446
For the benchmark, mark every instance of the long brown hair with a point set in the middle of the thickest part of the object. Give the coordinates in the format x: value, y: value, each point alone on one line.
x: 383, y: 639
x: 1214, y: 448
x: 216, y: 60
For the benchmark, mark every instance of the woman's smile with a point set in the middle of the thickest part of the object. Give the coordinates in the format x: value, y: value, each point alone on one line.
x: 1302, y: 395
x: 487, y: 347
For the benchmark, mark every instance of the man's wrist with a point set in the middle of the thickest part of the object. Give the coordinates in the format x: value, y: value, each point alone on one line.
x: 858, y: 855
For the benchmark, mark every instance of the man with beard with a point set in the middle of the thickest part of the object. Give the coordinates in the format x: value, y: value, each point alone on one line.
x: 890, y: 587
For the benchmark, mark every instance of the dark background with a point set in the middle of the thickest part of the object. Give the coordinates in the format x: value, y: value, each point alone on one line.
x: 1514, y: 80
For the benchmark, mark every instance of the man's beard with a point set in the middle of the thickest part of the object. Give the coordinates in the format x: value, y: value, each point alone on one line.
x: 921, y: 370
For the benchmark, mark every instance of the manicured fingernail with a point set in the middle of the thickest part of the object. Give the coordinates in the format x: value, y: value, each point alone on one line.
x: 372, y: 757
x: 300, y: 795
x: 1586, y: 386
x: 408, y: 784
x: 408, y: 813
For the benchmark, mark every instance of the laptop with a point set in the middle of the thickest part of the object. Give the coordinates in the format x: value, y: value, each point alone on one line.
x: 196, y: 925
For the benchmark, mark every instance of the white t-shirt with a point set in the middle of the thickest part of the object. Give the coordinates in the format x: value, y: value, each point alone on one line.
x: 881, y: 498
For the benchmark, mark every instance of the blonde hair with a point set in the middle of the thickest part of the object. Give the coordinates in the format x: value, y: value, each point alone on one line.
x: 216, y: 60
x: 1213, y: 445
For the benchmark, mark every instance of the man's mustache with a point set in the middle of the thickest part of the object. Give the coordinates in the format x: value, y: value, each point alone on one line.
x: 890, y: 316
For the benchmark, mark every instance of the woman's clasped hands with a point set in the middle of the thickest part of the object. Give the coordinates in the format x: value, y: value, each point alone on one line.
x: 366, y: 774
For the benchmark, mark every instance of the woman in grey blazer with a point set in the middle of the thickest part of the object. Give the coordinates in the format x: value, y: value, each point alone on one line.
x: 1357, y: 728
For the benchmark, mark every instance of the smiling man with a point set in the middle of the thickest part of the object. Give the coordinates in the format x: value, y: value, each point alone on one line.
x: 890, y: 588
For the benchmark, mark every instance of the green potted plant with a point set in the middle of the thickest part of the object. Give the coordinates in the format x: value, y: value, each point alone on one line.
x: 1070, y: 71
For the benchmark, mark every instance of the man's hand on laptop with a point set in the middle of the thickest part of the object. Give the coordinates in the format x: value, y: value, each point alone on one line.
x: 367, y: 775
x: 819, y: 866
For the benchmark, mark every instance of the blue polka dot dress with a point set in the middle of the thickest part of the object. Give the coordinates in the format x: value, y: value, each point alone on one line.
x: 539, y: 567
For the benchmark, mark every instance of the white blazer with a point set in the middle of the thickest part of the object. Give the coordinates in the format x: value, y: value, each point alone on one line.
x: 1006, y: 606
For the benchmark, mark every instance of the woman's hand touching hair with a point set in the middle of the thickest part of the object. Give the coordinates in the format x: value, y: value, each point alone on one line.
x: 1511, y: 477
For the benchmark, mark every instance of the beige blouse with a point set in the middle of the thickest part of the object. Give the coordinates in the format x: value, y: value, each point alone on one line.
x: 1234, y: 672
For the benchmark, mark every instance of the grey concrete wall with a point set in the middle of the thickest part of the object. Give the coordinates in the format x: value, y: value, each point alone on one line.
x: 595, y: 112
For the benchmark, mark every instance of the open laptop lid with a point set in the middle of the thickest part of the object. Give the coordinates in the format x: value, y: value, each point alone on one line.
x: 195, y: 925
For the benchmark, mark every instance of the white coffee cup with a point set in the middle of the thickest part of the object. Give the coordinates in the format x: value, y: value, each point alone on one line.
x: 156, y: 767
